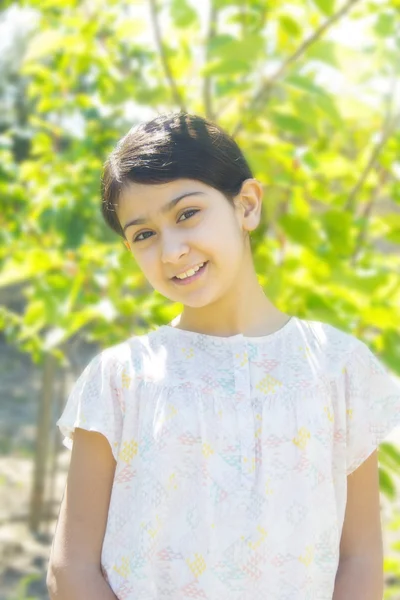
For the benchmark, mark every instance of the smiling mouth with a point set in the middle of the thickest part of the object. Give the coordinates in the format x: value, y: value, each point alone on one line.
x: 203, y: 264
x: 191, y: 277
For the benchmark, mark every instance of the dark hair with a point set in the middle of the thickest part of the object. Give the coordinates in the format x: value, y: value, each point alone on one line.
x: 172, y: 146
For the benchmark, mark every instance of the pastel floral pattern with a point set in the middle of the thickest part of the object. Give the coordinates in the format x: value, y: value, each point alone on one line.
x: 231, y: 457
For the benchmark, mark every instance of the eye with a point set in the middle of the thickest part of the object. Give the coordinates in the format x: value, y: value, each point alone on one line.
x: 137, y: 238
x: 186, y: 212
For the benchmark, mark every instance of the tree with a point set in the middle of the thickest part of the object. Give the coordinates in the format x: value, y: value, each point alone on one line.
x: 268, y: 73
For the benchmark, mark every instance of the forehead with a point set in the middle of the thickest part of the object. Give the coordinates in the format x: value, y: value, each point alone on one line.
x: 140, y: 198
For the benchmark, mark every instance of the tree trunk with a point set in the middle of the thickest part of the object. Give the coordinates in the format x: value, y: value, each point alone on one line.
x: 44, y: 421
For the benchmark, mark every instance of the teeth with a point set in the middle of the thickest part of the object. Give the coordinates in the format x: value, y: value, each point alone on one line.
x: 190, y: 272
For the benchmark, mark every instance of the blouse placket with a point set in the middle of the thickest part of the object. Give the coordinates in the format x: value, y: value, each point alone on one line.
x: 245, y: 422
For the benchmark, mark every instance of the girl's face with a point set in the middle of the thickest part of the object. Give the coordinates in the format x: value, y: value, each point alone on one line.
x: 174, y: 235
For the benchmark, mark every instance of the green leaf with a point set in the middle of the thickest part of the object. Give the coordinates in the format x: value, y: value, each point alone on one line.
x: 385, y: 24
x: 326, y: 104
x: 290, y: 25
x: 81, y: 319
x: 227, y: 3
x: 325, y: 6
x: 393, y: 236
x: 44, y: 44
x: 288, y: 122
x: 183, y: 14
x: 228, y: 55
x: 36, y: 312
x: 226, y: 67
x: 333, y: 165
x: 36, y: 263
x: 386, y: 484
x: 303, y: 83
x: 301, y: 231
x: 392, y: 223
x: 338, y: 227
x: 390, y: 453
x: 323, y: 51
x: 226, y: 87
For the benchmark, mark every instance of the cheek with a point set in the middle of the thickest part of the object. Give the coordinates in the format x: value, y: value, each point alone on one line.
x: 144, y: 261
x: 227, y: 238
x: 219, y: 240
x: 218, y: 231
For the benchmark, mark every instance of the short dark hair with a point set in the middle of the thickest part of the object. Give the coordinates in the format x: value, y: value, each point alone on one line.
x: 169, y: 147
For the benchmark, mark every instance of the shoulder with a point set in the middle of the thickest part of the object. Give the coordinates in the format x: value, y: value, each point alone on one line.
x: 129, y: 348
x: 132, y: 357
x: 328, y: 338
x: 113, y: 359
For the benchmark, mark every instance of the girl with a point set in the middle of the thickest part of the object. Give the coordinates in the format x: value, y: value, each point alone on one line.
x: 231, y: 454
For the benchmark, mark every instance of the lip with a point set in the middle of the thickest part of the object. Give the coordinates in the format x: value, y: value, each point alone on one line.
x: 193, y: 278
x: 188, y: 269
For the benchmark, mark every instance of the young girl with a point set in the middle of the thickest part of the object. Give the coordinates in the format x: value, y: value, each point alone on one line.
x: 211, y: 456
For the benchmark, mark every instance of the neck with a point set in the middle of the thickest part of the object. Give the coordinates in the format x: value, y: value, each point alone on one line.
x: 243, y: 309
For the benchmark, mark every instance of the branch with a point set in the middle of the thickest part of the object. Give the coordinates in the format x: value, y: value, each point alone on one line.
x: 383, y: 177
x: 245, y: 31
x: 268, y: 84
x: 387, y: 130
x: 163, y: 55
x: 372, y: 161
x: 212, y: 28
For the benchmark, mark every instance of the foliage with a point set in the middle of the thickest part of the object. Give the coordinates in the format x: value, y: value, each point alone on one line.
x: 21, y: 593
x: 86, y: 65
x: 304, y: 104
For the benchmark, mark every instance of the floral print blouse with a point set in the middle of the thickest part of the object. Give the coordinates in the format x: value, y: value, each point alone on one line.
x: 232, y: 455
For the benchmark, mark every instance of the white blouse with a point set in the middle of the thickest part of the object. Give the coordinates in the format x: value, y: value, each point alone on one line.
x: 231, y: 457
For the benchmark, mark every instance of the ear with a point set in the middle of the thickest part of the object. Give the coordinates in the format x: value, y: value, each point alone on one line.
x: 250, y: 201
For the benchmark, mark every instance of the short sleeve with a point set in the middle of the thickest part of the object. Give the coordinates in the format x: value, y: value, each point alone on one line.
x: 94, y: 404
x: 372, y: 404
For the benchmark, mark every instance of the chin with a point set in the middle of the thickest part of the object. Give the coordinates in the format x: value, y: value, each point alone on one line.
x: 196, y: 300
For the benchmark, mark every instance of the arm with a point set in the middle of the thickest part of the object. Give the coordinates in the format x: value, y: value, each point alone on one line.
x: 74, y: 570
x: 78, y: 584
x: 360, y: 572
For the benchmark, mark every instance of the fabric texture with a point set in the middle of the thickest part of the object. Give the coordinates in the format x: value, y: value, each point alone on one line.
x: 232, y: 456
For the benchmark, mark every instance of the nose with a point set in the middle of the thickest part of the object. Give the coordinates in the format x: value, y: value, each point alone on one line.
x: 173, y: 248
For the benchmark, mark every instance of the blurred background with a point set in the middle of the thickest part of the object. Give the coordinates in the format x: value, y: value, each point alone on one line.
x: 310, y: 91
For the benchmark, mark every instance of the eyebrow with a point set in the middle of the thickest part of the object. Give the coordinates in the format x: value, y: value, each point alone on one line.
x: 166, y: 208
